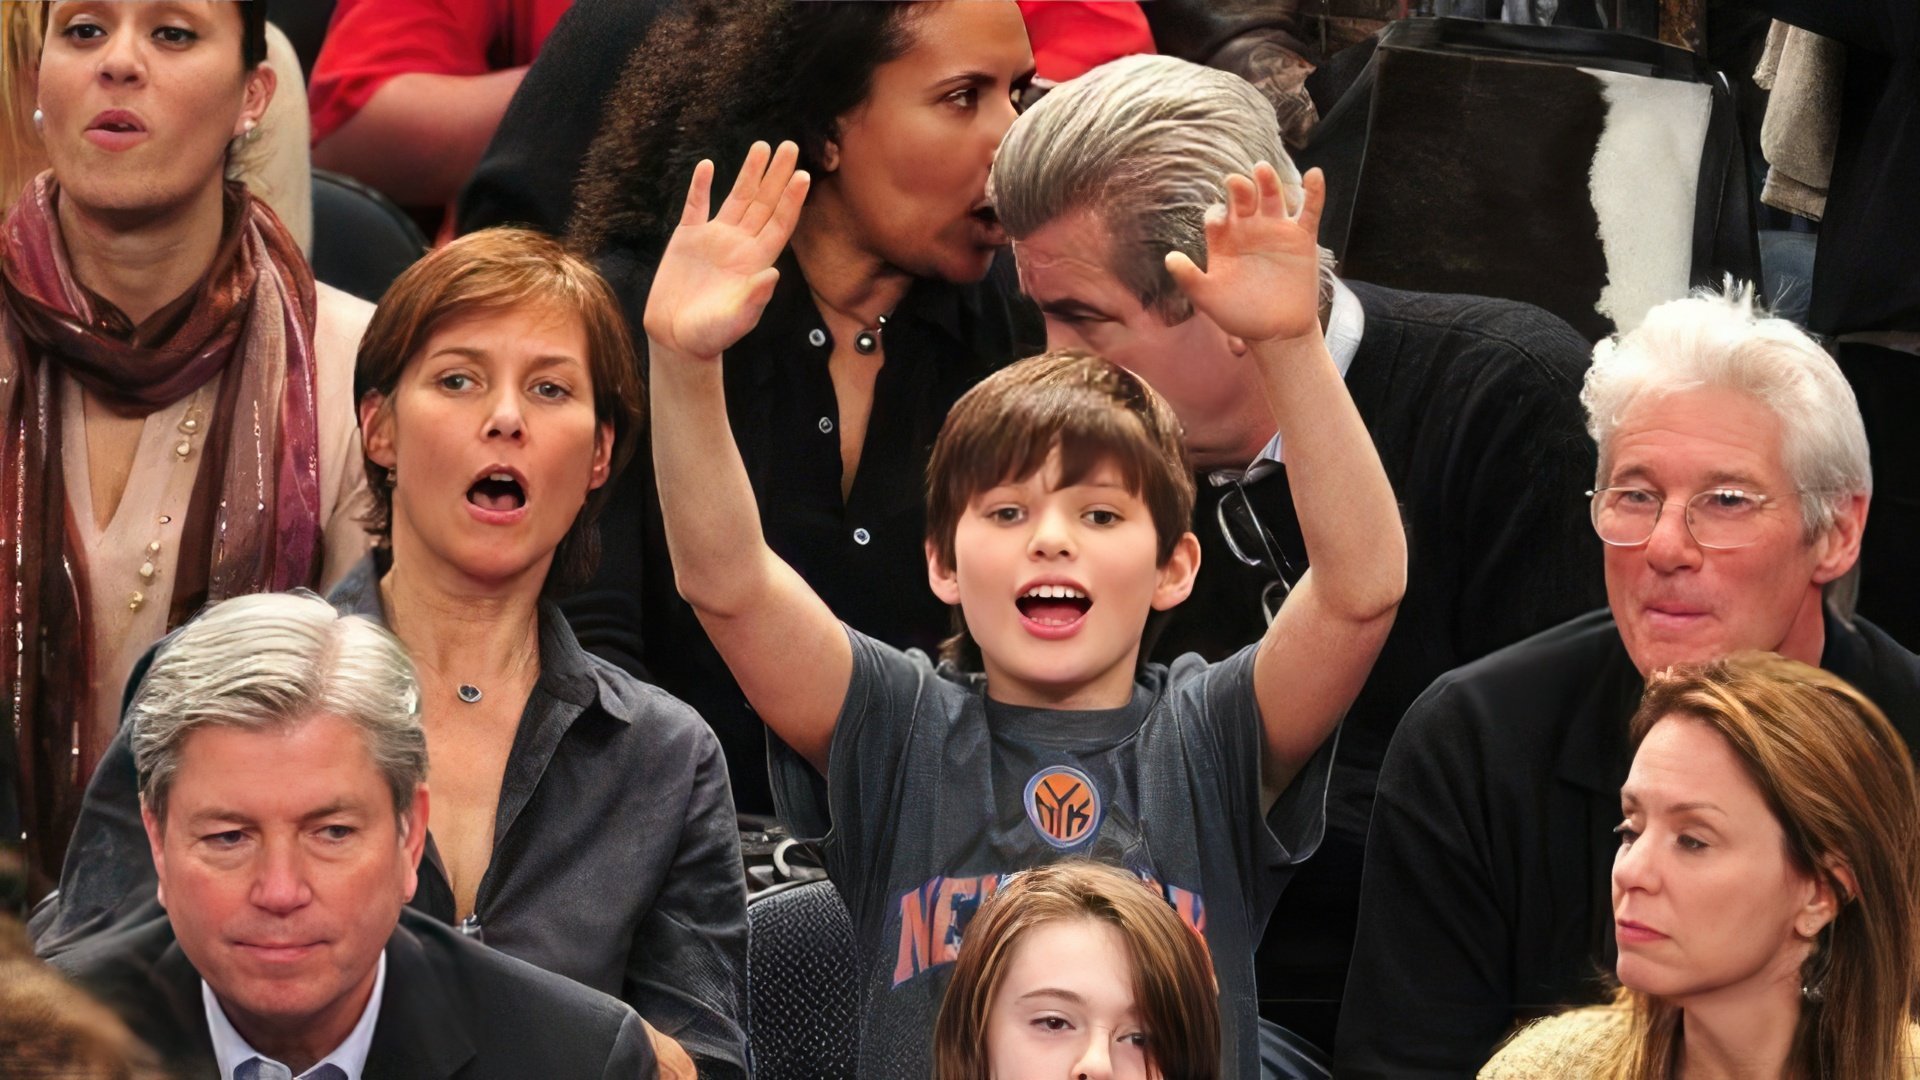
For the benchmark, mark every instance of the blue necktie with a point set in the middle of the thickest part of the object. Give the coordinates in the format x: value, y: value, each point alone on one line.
x: 258, y: 1068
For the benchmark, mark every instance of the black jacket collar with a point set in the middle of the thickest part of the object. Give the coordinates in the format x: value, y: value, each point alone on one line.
x: 422, y: 1033
x: 1595, y: 754
x: 192, y: 1045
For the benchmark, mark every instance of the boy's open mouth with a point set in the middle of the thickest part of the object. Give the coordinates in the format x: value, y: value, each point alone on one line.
x: 1053, y: 605
x: 497, y: 491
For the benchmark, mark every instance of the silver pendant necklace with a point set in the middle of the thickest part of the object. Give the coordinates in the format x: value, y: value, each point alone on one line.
x: 469, y: 693
x: 867, y: 341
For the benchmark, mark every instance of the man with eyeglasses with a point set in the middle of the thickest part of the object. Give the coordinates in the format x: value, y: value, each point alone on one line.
x: 1472, y: 404
x: 1732, y: 493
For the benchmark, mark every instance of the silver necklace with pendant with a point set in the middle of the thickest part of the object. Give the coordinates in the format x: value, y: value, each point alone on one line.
x: 867, y: 341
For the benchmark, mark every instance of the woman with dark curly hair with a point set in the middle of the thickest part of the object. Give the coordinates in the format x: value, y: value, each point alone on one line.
x: 890, y: 302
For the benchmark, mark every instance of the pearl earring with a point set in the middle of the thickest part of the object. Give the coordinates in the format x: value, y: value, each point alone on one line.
x: 39, y: 120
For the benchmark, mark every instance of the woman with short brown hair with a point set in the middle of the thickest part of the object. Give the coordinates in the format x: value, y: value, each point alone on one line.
x: 582, y: 820
x: 502, y: 270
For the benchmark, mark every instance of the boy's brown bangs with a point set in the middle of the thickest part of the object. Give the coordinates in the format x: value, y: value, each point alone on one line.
x: 1093, y: 412
x: 1088, y: 433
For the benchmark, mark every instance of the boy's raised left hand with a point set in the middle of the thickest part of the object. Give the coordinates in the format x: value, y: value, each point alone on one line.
x: 717, y: 275
x: 1262, y: 281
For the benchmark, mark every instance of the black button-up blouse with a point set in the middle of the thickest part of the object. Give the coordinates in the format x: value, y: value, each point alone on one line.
x: 863, y: 553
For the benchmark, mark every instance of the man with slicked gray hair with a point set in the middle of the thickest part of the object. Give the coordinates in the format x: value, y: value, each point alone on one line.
x: 1471, y: 403
x: 282, y: 773
x: 1730, y: 496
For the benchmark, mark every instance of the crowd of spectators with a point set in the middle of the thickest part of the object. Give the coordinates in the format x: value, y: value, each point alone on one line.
x: 938, y: 445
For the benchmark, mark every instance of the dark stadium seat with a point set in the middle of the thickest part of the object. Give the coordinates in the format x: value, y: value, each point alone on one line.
x: 361, y: 240
x: 803, y: 990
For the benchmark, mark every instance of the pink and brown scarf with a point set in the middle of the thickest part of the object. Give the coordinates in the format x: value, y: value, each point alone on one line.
x: 253, y: 522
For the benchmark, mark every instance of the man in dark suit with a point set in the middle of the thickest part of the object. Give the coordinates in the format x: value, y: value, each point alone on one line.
x: 451, y: 1008
x: 1472, y: 403
x: 282, y: 782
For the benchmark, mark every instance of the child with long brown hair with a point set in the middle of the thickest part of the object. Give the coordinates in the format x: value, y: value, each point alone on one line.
x: 1075, y: 965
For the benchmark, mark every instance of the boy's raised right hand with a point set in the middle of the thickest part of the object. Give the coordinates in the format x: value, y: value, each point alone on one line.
x: 1261, y: 286
x: 1262, y: 281
x: 792, y: 658
x: 716, y: 276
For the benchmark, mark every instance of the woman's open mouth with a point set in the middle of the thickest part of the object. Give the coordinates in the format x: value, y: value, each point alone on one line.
x: 498, y: 497
x: 497, y: 491
x: 987, y: 221
x: 116, y: 129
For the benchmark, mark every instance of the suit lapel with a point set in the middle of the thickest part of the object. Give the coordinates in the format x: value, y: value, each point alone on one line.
x: 191, y: 1052
x: 421, y: 1033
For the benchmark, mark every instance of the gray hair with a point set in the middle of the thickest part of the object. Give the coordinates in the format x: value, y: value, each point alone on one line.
x: 1147, y: 142
x: 271, y: 660
x: 1724, y: 339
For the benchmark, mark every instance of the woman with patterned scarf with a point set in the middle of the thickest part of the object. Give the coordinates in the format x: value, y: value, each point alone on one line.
x: 176, y: 421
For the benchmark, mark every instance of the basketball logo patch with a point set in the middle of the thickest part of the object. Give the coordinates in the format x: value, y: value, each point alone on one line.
x: 1063, y: 806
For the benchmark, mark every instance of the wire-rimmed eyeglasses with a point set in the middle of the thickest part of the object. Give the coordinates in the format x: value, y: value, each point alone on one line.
x: 1250, y: 541
x: 1720, y: 518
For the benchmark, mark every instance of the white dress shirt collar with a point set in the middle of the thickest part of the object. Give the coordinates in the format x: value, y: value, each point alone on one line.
x: 230, y: 1048
x: 1345, y: 324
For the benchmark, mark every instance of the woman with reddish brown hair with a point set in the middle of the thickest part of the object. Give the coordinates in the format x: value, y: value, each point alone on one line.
x: 582, y: 820
x: 1766, y: 894
x: 1079, y: 969
x: 176, y: 418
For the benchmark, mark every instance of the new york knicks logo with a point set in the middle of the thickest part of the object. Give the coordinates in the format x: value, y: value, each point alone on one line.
x: 1063, y: 805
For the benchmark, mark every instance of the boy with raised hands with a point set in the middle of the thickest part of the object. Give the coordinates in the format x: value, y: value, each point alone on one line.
x: 1059, y: 497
